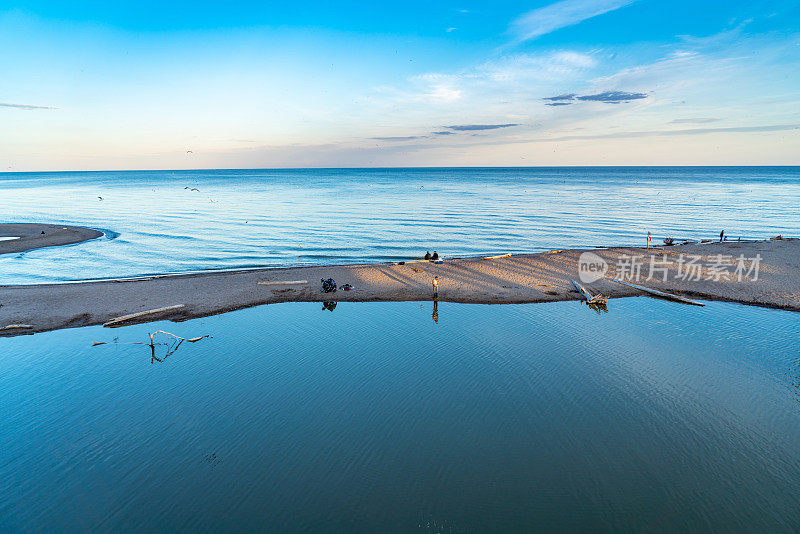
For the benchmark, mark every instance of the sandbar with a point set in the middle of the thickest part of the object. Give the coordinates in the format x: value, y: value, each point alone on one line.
x: 526, y: 278
x: 33, y: 235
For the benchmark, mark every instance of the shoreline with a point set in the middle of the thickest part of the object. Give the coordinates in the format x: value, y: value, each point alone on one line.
x: 525, y: 278
x: 34, y: 235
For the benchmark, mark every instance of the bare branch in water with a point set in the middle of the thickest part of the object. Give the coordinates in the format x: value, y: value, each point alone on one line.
x: 171, y: 350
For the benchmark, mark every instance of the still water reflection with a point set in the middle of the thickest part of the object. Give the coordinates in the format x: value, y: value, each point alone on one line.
x: 376, y: 418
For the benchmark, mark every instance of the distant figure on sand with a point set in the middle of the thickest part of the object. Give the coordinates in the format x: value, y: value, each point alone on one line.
x: 435, y: 283
x: 721, y: 235
x: 428, y: 255
x: 435, y: 256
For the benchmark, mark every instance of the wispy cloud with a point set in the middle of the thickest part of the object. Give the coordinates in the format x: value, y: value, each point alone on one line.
x: 613, y: 97
x: 607, y: 97
x: 443, y: 133
x: 569, y: 96
x: 550, y: 18
x: 399, y: 138
x: 23, y: 106
x: 698, y: 120
x: 476, y: 127
x: 661, y: 133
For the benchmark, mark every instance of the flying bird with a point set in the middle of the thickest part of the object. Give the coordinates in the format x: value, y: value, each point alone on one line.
x: 101, y: 198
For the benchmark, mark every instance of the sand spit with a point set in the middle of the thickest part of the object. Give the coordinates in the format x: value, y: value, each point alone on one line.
x: 526, y: 278
x: 33, y: 236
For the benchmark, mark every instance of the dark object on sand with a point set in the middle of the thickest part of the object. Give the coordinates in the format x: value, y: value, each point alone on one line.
x: 42, y: 232
x: 721, y: 235
x: 435, y: 256
x: 428, y: 255
x: 347, y: 287
x: 329, y: 285
x: 669, y: 241
x: 329, y: 305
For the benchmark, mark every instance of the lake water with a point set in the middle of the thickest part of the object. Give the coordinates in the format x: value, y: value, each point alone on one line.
x: 156, y: 223
x: 374, y: 418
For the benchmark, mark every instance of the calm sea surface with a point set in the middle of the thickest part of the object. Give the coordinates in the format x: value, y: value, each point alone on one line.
x: 156, y: 223
x: 373, y: 418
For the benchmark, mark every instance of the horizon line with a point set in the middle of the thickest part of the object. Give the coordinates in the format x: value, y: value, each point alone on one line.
x: 408, y: 167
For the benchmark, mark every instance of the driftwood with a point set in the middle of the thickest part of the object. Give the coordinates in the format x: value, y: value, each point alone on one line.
x: 590, y: 299
x: 497, y: 257
x: 170, y: 350
x: 662, y: 294
x: 124, y: 318
x: 286, y: 283
x: 15, y: 326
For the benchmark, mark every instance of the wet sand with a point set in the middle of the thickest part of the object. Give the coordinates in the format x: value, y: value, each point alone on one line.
x: 526, y: 278
x: 33, y: 236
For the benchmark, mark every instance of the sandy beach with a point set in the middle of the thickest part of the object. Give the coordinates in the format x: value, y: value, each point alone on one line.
x: 543, y: 277
x: 31, y: 236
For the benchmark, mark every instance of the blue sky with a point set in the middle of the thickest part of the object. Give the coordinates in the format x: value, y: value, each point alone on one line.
x: 95, y: 85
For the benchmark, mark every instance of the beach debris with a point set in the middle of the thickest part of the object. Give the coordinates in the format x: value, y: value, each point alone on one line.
x: 116, y: 320
x: 283, y: 283
x: 497, y: 257
x: 587, y: 296
x: 662, y: 294
x: 347, y: 287
x: 211, y: 459
x: 172, y: 349
x: 669, y: 241
x: 172, y: 346
x: 554, y: 251
x: 16, y: 326
x: 140, y: 278
x: 328, y: 285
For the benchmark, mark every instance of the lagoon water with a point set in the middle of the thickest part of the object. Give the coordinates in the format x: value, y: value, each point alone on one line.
x: 156, y: 223
x: 374, y: 418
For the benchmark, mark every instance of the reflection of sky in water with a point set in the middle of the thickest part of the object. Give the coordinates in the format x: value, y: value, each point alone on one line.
x: 374, y: 417
x: 258, y: 218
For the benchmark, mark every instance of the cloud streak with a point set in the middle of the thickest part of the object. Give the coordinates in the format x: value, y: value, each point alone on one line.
x: 698, y: 120
x: 478, y: 127
x: 23, y: 106
x: 399, y: 138
x: 661, y: 133
x: 607, y: 97
x: 550, y: 18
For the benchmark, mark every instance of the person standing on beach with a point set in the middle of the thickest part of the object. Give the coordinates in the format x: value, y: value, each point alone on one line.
x: 721, y: 235
x: 435, y: 283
